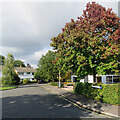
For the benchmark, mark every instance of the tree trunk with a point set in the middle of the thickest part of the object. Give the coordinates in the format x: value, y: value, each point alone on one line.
x: 94, y: 75
x: 52, y: 80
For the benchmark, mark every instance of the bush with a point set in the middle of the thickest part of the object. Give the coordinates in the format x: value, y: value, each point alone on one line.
x: 56, y: 84
x: 53, y: 83
x: 0, y: 81
x: 33, y: 81
x: 108, y: 93
x: 25, y: 81
x: 111, y: 94
x: 6, y: 81
x: 16, y: 80
x: 9, y: 81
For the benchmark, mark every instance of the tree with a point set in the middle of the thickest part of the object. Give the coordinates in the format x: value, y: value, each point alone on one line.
x: 39, y: 74
x: 46, y: 69
x: 90, y: 44
x: 101, y: 39
x: 9, y: 75
x: 18, y: 63
x: 2, y: 60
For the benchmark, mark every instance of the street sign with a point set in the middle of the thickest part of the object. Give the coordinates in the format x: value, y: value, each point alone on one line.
x: 99, y: 87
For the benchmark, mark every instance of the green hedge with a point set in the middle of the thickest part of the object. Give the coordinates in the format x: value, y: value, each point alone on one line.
x: 25, y: 81
x: 108, y: 94
x: 33, y: 81
x: 55, y: 84
x: 1, y: 81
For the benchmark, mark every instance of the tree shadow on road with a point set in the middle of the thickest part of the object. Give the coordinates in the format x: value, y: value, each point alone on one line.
x: 41, y: 106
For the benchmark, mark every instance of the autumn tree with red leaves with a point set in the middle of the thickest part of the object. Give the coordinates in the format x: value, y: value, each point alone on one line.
x: 91, y: 44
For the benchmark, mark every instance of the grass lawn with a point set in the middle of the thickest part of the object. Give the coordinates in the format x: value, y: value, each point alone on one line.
x: 6, y: 88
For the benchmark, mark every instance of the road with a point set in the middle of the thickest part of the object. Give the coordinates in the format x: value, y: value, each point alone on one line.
x: 34, y: 101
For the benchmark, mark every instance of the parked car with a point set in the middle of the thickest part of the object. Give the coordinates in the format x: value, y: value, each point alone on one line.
x: 42, y: 81
x: 68, y: 82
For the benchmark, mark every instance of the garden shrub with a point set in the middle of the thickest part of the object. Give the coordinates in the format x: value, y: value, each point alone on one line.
x: 62, y: 84
x: 111, y: 94
x: 16, y: 80
x: 9, y: 81
x: 6, y: 82
x: 1, y: 81
x: 56, y: 84
x: 108, y: 94
x: 53, y: 83
x: 25, y: 81
x: 33, y: 81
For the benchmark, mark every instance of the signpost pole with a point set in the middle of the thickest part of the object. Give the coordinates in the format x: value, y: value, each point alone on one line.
x: 59, y: 80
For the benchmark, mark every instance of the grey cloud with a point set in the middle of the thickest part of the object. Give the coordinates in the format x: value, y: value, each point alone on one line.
x: 35, y: 33
x: 29, y: 27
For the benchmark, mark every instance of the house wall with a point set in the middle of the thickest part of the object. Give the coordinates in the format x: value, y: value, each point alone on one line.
x: 104, y: 78
x: 82, y: 80
x: 90, y: 78
x: 0, y: 74
x: 112, y: 79
x: 72, y: 77
x: 26, y: 76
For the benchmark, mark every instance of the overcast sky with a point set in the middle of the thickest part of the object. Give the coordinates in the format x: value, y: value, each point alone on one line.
x: 27, y: 27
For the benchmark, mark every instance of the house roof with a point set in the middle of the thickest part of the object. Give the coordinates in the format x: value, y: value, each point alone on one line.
x: 21, y: 69
x: 25, y: 69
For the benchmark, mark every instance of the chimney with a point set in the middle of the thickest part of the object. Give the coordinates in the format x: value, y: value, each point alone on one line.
x: 28, y: 65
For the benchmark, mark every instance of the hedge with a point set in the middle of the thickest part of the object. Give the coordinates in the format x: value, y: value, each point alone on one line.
x: 53, y: 83
x: 108, y: 94
x: 56, y: 84
x: 33, y: 81
x: 25, y: 81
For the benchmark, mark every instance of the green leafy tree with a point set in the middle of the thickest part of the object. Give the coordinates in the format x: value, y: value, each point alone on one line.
x: 2, y: 60
x: 39, y: 74
x: 9, y: 75
x: 18, y: 63
x: 46, y: 69
x: 100, y: 43
x: 90, y: 45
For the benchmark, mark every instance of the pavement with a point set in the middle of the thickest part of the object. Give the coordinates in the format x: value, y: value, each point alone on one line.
x: 96, y: 106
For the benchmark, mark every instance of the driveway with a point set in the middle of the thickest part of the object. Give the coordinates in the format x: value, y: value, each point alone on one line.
x: 34, y: 101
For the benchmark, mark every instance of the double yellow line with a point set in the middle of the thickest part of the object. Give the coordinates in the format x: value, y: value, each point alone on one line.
x: 56, y: 93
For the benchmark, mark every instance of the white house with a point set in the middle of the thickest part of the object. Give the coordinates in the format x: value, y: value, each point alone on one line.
x: 105, y: 79
x: 73, y: 78
x: 25, y: 73
x: 1, y: 70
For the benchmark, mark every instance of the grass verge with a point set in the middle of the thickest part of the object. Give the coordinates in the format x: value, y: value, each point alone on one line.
x: 7, y: 88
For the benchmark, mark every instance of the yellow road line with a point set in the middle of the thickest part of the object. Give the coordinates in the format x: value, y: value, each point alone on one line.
x: 56, y: 93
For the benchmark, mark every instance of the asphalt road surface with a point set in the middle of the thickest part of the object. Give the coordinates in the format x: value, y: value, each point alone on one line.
x: 34, y: 101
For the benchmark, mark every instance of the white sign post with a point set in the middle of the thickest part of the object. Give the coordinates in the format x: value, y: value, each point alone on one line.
x: 59, y: 80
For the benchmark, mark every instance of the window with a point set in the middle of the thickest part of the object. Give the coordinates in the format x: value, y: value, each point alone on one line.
x: 116, y: 79
x: 32, y: 73
x: 74, y: 79
x: 21, y: 73
x: 98, y: 79
x: 28, y: 72
x: 108, y: 79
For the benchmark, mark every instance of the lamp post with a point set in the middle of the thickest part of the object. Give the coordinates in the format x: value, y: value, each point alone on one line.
x: 59, y: 85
